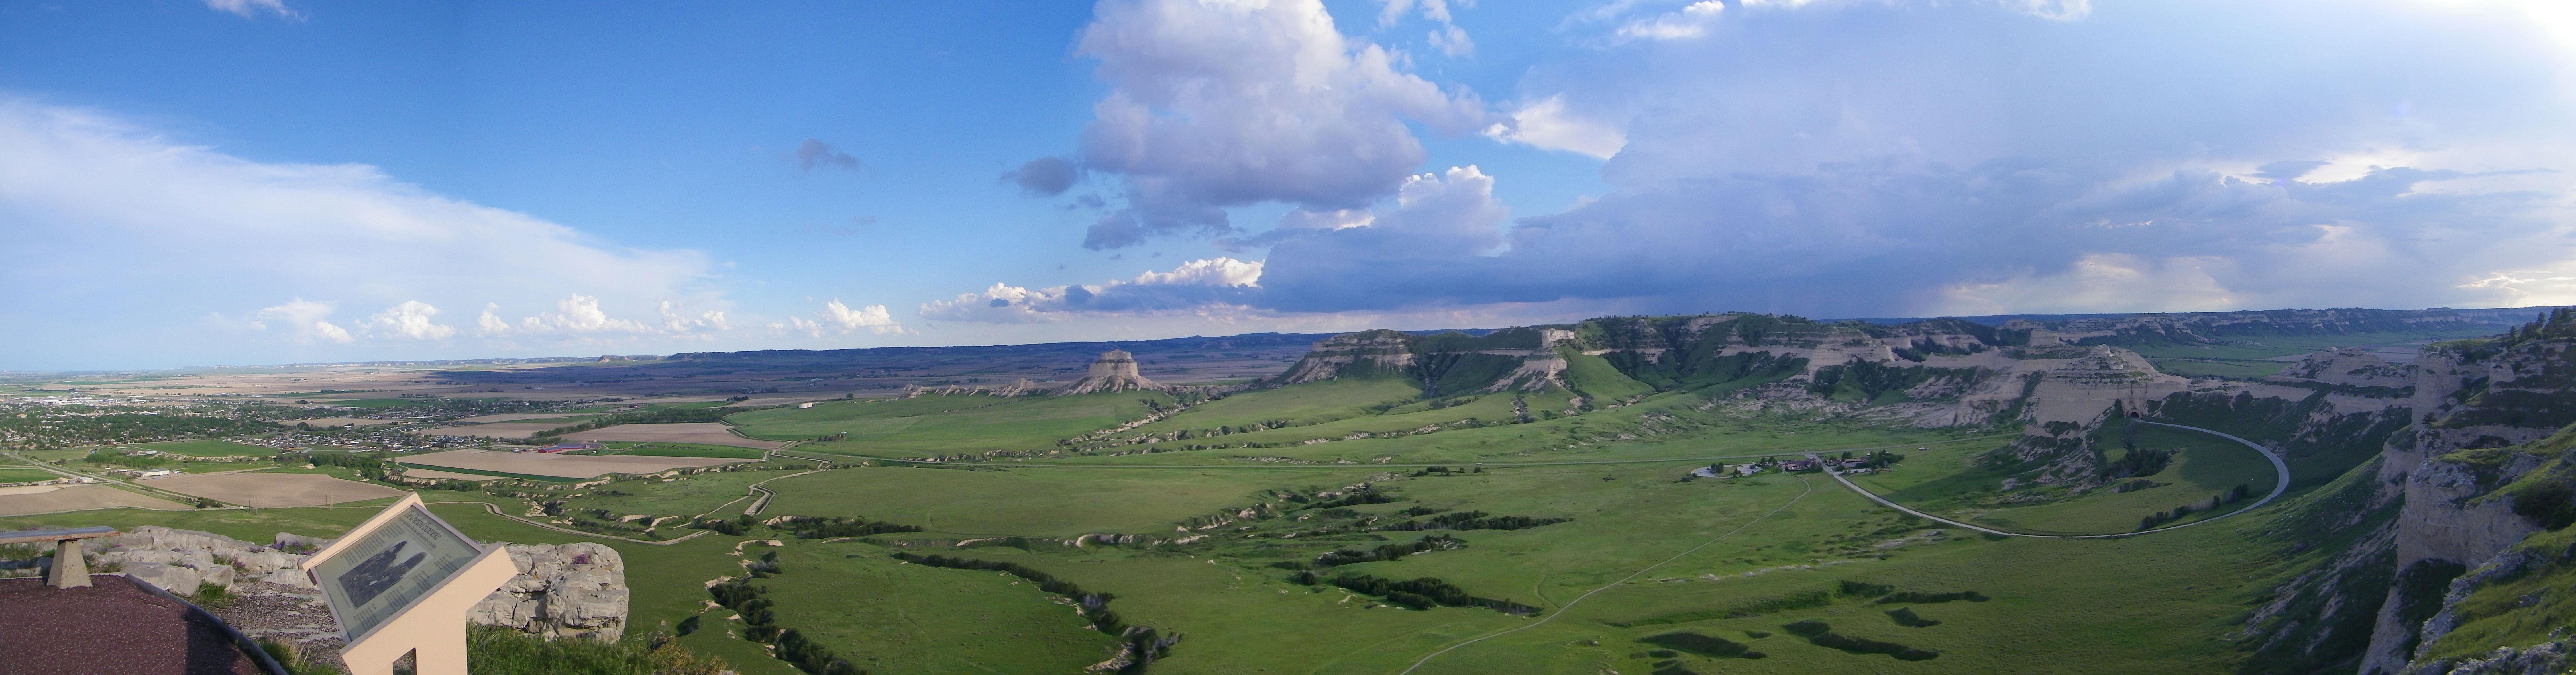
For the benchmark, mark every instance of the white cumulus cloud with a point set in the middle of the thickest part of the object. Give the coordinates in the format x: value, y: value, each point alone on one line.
x: 1194, y: 286
x: 304, y: 320
x: 579, y: 313
x: 252, y: 8
x: 411, y: 319
x: 873, y: 318
x: 1221, y: 104
x: 1547, y: 124
x: 78, y: 183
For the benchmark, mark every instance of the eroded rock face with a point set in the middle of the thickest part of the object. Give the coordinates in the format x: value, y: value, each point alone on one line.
x: 569, y: 590
x: 2545, y: 658
x: 1114, y: 371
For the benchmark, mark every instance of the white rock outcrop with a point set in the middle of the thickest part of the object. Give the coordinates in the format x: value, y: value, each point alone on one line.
x: 1114, y: 371
x: 180, y: 560
x: 570, y: 590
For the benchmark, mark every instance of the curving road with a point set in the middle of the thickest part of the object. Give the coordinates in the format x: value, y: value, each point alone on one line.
x: 2278, y: 486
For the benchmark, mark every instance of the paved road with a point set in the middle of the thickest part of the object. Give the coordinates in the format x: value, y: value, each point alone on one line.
x: 2278, y: 486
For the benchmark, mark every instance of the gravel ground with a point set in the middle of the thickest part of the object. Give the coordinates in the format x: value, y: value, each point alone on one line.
x: 286, y: 613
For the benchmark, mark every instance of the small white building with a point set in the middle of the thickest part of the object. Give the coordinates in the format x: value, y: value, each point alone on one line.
x: 156, y: 473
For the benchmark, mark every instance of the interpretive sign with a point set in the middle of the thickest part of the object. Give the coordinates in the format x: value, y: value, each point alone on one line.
x: 401, y: 582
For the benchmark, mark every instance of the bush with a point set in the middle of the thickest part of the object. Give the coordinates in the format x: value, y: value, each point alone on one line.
x: 2548, y: 503
x: 495, y: 650
x: 291, y: 656
x: 1868, y: 646
x: 1424, y: 593
x: 1862, y: 590
x: 211, y: 595
x: 1703, y: 645
x: 1905, y: 616
x: 1922, y: 598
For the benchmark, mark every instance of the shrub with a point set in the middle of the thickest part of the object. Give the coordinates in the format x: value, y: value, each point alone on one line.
x: 1760, y: 606
x: 2548, y: 503
x: 1703, y: 645
x: 495, y: 650
x: 1905, y: 616
x: 1868, y: 646
x: 1862, y: 590
x: 211, y: 595
x: 1922, y: 598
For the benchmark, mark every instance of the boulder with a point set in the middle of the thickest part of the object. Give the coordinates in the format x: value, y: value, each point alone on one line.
x: 571, y: 590
x: 264, y: 562
x: 175, y: 579
x: 212, y: 558
x: 214, y: 573
x: 290, y: 576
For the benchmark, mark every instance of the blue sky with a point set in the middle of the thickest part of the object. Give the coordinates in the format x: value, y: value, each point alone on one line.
x: 262, y: 181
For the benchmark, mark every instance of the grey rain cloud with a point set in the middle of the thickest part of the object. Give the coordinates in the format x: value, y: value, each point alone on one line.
x: 814, y: 153
x: 1868, y: 159
x: 1044, y: 176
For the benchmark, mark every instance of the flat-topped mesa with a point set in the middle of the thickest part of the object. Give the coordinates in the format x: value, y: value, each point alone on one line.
x: 1114, y: 371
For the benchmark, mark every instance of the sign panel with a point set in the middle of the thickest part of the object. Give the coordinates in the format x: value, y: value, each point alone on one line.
x: 384, y: 569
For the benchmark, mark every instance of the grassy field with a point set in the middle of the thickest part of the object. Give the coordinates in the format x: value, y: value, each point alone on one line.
x: 1294, y: 405
x: 690, y: 450
x: 1595, y: 499
x: 689, y: 495
x: 941, y: 425
x: 17, y: 475
x: 899, y: 619
x: 1035, y: 502
x: 501, y: 474
x: 1947, y: 482
x: 207, y: 449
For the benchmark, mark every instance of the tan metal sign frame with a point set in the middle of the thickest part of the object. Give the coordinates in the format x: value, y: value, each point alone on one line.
x: 432, y: 625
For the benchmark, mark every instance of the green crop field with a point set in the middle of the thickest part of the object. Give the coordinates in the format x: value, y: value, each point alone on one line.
x: 17, y: 475
x: 207, y: 449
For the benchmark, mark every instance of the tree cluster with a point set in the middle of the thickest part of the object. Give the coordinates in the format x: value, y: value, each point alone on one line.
x: 761, y: 624
x: 1437, y: 542
x: 1822, y: 634
x: 1472, y: 520
x: 845, y: 526
x: 1419, y: 593
x: 1145, y: 644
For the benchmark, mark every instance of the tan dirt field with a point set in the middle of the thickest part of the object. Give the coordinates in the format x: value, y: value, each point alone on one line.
x: 495, y: 430
x: 709, y: 433
x: 272, y: 489
x: 561, y: 466
x: 81, y: 498
x: 417, y: 472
